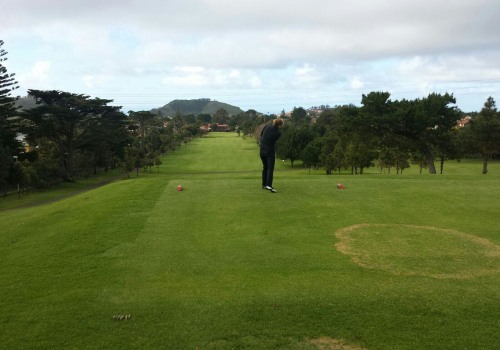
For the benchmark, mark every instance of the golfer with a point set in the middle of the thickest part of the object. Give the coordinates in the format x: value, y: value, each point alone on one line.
x: 268, y: 137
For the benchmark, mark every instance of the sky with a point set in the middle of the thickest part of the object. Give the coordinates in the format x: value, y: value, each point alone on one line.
x: 267, y: 55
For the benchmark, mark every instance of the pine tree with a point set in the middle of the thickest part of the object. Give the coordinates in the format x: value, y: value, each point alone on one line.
x: 485, y: 131
x: 9, y: 146
x: 7, y: 85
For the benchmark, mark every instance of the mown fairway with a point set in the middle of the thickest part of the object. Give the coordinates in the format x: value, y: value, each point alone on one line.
x: 391, y: 262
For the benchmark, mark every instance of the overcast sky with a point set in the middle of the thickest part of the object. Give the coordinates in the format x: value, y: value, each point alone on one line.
x: 267, y: 55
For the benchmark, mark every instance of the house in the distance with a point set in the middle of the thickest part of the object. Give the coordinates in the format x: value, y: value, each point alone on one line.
x: 222, y: 127
x: 215, y: 127
x: 464, y: 121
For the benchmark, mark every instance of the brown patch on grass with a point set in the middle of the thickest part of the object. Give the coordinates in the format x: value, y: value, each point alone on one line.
x: 325, y: 343
x: 419, y: 250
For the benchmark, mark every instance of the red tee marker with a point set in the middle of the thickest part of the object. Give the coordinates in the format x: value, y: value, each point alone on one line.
x: 179, y: 188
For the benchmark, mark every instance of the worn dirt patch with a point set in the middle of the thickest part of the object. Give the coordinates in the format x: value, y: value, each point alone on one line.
x: 419, y: 250
x: 325, y: 343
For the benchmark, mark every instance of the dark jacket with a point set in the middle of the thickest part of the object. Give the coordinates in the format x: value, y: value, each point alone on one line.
x: 268, y: 137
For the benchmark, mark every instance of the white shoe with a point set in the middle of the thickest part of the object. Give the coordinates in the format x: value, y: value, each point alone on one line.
x: 271, y: 189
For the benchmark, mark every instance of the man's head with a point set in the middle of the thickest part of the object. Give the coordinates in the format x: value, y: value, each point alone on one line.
x: 278, y: 122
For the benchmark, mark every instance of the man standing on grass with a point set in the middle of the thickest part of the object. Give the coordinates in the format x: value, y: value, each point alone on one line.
x: 268, y: 137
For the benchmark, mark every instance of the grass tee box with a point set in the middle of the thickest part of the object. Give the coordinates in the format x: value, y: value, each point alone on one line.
x: 391, y: 262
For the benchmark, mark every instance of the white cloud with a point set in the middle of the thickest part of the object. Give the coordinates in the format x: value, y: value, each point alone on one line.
x: 38, y: 77
x: 234, y: 73
x: 255, y: 82
x: 190, y: 70
x: 197, y: 76
x: 187, y: 77
x: 357, y: 83
x: 95, y: 81
x: 306, y: 76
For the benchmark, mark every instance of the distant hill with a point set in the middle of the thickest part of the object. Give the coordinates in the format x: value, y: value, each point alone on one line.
x: 26, y: 102
x: 197, y: 106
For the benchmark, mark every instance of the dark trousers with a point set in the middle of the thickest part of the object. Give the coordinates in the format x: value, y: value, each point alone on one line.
x: 268, y: 160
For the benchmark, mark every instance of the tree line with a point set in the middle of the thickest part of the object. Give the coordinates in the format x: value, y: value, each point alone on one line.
x: 391, y: 134
x: 70, y: 136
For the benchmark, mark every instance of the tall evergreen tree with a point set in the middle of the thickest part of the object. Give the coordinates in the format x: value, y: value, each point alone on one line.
x: 299, y: 116
x: 9, y: 146
x: 143, y: 119
x: 485, y: 132
x: 425, y: 123
x: 69, y: 120
x: 293, y: 141
x: 433, y: 122
x: 7, y: 85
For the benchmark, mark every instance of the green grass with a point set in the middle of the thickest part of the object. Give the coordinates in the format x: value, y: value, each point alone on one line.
x: 37, y: 196
x: 226, y: 265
